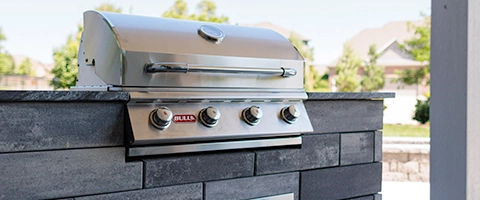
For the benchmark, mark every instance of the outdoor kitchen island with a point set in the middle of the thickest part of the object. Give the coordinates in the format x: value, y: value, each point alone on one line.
x: 70, y: 144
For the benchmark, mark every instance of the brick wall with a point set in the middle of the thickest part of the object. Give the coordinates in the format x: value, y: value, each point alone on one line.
x: 63, y: 148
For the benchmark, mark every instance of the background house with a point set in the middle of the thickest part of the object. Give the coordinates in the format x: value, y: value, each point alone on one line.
x: 387, y: 39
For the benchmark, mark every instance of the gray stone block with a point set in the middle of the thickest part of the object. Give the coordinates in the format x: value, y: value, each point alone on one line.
x: 174, y: 170
x: 368, y: 197
x: 330, y: 116
x: 30, y: 126
x: 378, y: 146
x: 189, y: 191
x: 356, y: 148
x: 316, y: 151
x: 378, y: 196
x: 253, y: 187
x: 67, y: 173
x: 341, y: 182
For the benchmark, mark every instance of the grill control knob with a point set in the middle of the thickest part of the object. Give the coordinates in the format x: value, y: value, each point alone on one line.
x: 252, y: 115
x: 161, y: 118
x: 290, y: 114
x: 209, y: 116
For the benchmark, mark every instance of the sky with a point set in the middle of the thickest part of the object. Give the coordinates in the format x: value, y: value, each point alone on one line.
x: 34, y: 28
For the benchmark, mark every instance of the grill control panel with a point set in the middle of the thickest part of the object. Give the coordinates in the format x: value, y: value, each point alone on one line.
x: 161, y: 117
x: 165, y: 122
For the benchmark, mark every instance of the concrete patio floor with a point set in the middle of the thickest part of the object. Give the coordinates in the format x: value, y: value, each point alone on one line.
x: 405, y: 190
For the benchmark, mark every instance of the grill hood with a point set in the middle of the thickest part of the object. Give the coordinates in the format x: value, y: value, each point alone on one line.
x: 116, y: 48
x: 162, y: 35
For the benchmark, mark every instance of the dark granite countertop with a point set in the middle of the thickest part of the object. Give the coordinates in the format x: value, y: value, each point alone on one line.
x: 349, y: 95
x: 19, y: 96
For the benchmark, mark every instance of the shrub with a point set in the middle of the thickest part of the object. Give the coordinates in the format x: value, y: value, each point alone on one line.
x: 422, y: 111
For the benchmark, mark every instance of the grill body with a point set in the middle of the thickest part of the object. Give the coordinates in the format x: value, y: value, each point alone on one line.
x: 195, y: 86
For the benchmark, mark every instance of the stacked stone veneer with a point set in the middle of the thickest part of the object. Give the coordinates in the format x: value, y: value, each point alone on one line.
x: 70, y: 145
x: 406, y: 159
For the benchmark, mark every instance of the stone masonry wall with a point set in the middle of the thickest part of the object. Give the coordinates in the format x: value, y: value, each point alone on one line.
x: 406, y: 159
x: 70, y: 145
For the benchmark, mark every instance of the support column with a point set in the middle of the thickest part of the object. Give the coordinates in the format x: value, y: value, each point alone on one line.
x: 455, y: 100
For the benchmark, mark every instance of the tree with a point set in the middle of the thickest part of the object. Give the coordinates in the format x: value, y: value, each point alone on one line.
x: 7, y: 64
x: 65, y: 62
x: 205, y: 12
x: 65, y: 58
x: 373, y: 77
x: 419, y: 48
x: 2, y: 37
x: 347, y: 70
x: 177, y: 11
x: 419, y: 45
x: 25, y: 68
x: 422, y: 111
x: 320, y: 83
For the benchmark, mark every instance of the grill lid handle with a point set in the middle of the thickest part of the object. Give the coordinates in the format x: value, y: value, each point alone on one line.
x: 161, y: 67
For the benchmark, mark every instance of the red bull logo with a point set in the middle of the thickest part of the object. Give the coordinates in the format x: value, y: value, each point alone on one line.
x: 188, y: 118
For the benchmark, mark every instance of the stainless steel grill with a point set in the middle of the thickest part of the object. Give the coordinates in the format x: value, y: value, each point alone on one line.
x: 195, y: 86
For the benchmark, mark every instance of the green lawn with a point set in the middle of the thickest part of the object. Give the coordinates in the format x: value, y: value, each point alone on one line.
x: 406, y: 130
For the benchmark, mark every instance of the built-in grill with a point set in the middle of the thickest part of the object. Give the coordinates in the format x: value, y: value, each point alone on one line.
x: 195, y: 86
